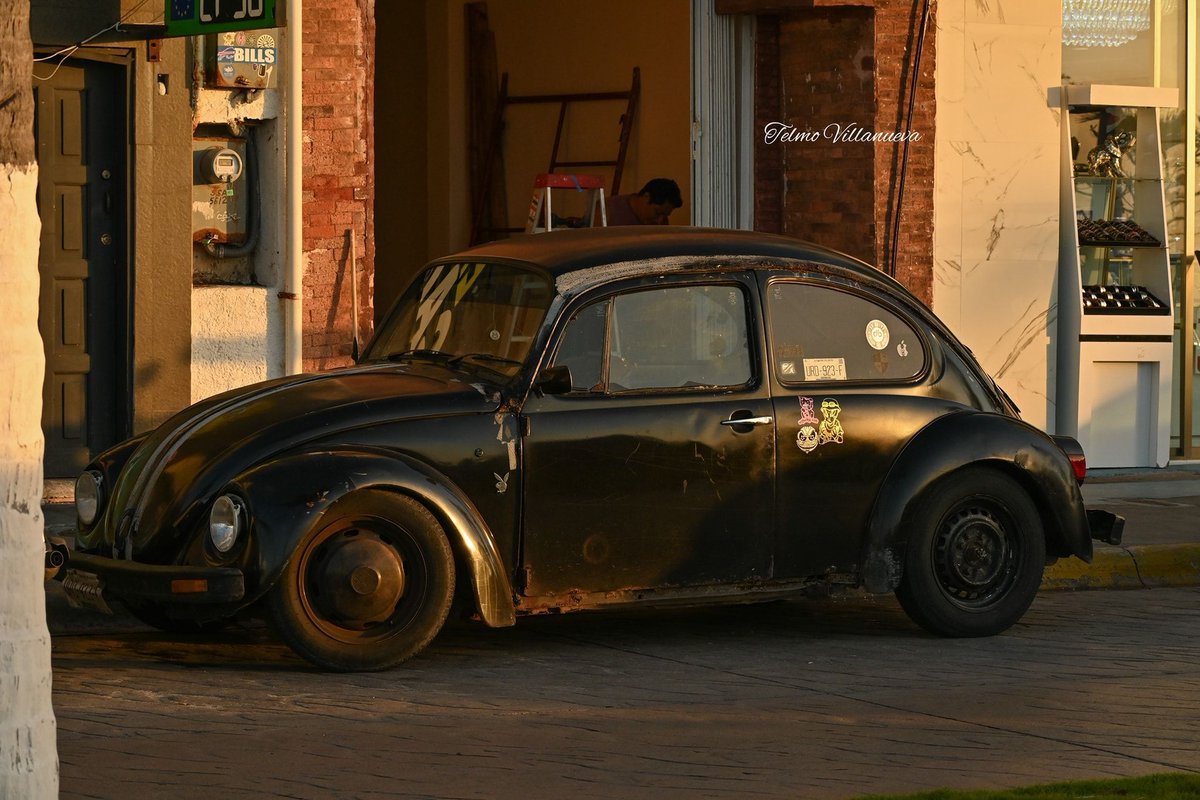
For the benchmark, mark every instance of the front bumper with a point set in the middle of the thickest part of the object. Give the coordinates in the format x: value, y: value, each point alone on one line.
x: 1105, y: 526
x: 85, y: 574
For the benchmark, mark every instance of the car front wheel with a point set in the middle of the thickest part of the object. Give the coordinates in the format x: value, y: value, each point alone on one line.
x: 369, y: 587
x: 975, y: 555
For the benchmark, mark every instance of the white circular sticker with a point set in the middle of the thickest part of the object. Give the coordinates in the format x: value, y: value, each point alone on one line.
x: 877, y: 334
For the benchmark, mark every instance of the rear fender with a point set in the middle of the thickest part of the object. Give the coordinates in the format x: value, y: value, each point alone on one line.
x: 287, y: 497
x: 958, y: 440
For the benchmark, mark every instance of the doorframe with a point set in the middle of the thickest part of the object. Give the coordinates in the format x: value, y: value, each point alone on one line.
x: 124, y: 60
x: 722, y: 146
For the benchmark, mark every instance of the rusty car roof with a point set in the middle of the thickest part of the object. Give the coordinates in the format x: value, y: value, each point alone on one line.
x: 569, y: 250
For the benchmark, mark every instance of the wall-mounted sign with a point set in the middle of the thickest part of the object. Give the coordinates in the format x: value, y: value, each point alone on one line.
x: 242, y: 59
x: 198, y: 17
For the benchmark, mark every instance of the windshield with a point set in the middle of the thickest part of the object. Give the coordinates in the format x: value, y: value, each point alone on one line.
x: 487, y: 314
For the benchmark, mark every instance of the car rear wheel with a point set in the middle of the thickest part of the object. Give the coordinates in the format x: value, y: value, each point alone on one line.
x: 975, y: 555
x: 368, y: 588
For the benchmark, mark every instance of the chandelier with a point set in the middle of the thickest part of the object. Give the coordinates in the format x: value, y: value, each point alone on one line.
x: 1103, y: 23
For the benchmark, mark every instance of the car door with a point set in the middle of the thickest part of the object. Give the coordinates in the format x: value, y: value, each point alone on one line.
x: 853, y: 382
x: 640, y: 476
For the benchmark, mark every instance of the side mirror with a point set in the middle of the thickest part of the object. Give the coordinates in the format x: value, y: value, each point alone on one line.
x: 555, y: 380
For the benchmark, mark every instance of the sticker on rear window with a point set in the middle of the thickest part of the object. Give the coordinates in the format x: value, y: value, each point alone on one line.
x: 878, y: 334
x: 824, y: 369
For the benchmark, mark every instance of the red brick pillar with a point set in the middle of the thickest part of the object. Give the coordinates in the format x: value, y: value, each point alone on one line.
x: 339, y: 181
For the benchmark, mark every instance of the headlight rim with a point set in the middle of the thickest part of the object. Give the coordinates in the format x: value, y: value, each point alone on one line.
x: 232, y: 510
x: 97, y: 486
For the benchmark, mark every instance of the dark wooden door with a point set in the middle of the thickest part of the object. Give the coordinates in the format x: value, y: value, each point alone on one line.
x: 80, y: 126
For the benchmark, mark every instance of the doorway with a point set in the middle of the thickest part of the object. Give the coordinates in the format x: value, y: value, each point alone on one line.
x: 81, y: 126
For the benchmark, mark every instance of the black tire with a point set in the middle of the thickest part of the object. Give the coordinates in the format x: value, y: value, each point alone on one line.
x: 975, y: 556
x: 368, y: 588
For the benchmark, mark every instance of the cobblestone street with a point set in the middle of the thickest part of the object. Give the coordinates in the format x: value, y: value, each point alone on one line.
x: 815, y: 699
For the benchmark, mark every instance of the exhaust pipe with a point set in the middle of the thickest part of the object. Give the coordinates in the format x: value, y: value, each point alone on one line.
x: 56, y: 558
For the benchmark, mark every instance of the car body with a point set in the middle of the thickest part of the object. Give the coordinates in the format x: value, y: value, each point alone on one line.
x: 593, y: 418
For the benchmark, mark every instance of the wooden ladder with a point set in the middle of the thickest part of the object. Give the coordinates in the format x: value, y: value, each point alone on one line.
x: 479, y: 231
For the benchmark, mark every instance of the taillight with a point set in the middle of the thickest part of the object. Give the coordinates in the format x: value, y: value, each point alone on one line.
x: 1074, y: 454
x: 1079, y: 464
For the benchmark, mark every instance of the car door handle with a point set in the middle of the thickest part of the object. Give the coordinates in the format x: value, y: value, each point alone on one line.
x: 747, y: 421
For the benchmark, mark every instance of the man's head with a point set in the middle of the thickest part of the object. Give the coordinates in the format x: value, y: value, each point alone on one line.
x: 655, y: 201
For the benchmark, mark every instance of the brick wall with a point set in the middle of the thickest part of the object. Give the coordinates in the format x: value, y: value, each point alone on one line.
x: 339, y: 183
x: 768, y: 98
x: 845, y: 64
x: 897, y: 23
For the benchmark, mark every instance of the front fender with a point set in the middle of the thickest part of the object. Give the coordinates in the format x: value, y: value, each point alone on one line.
x: 958, y: 440
x: 288, y: 496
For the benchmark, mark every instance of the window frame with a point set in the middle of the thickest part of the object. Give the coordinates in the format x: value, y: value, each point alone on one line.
x: 741, y: 280
x: 863, y: 293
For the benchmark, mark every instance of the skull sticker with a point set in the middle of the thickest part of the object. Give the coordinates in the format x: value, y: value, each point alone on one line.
x: 807, y: 438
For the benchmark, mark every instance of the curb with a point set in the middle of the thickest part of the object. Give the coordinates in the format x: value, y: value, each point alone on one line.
x: 1136, y: 567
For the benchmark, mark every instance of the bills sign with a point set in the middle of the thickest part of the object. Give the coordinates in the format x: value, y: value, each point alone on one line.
x: 242, y: 59
x: 198, y: 17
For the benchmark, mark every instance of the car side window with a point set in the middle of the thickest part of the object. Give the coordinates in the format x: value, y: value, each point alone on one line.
x: 676, y: 337
x: 582, y: 347
x: 821, y: 333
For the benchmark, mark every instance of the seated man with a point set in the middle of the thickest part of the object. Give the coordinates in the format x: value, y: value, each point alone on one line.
x: 650, y: 206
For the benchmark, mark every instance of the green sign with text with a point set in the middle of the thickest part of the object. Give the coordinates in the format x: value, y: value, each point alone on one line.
x: 198, y: 17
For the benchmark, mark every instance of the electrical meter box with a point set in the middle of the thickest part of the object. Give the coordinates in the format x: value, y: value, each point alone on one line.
x: 219, y: 189
x: 242, y: 59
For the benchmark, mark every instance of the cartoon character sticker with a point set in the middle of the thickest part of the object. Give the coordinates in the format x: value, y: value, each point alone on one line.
x: 806, y: 437
x: 831, y: 427
x: 878, y: 335
x: 813, y: 432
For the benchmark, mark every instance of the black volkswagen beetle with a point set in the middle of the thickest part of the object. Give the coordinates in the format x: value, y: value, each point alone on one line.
x: 586, y: 419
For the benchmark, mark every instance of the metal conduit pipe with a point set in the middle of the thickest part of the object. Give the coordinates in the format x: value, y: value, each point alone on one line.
x: 912, y: 100
x: 291, y: 292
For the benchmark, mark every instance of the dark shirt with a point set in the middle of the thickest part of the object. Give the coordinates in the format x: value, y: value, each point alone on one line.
x: 620, y: 212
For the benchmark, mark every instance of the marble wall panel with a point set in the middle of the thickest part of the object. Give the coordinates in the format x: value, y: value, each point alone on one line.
x: 996, y: 190
x: 1009, y: 12
x: 1007, y: 71
x: 1010, y: 203
x: 1012, y: 322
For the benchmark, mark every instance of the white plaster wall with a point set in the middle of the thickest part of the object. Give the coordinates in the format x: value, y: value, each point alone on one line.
x: 996, y: 190
x: 237, y: 338
x: 237, y: 330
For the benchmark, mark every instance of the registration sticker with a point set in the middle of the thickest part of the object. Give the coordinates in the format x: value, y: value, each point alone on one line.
x: 824, y: 369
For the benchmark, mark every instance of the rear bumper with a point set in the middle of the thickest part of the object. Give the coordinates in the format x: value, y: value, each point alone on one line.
x: 1105, y: 526
x: 169, y: 583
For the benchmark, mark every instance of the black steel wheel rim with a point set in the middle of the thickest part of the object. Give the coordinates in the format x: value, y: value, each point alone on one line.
x: 317, y: 592
x: 976, y: 554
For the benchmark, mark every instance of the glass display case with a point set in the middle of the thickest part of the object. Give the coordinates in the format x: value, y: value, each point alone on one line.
x: 1114, y: 296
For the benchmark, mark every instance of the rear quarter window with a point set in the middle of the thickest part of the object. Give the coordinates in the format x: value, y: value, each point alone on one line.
x: 821, y: 333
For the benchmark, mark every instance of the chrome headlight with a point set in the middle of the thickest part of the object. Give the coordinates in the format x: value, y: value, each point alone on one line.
x: 225, y: 522
x: 89, y: 496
